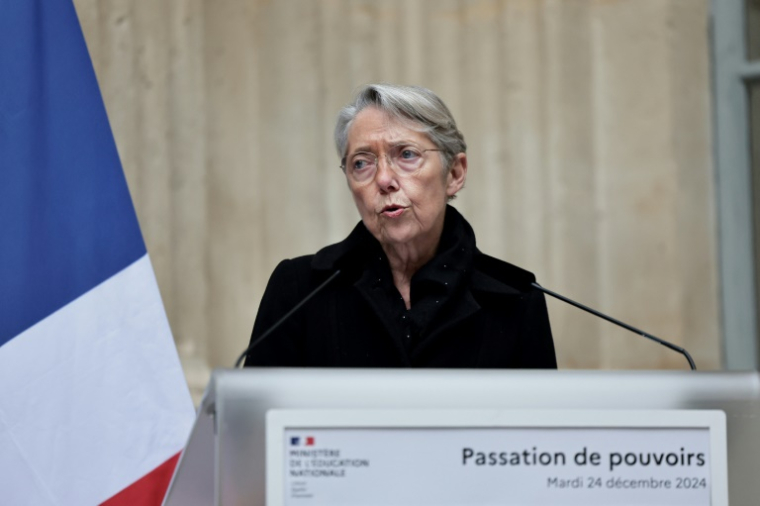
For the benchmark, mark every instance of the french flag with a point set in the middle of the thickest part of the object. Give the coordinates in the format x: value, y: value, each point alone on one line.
x: 94, y: 407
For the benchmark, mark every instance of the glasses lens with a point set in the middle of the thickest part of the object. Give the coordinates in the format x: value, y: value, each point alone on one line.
x: 362, y: 165
x: 408, y: 158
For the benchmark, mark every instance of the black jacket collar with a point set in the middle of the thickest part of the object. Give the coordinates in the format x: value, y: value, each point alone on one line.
x: 487, y: 274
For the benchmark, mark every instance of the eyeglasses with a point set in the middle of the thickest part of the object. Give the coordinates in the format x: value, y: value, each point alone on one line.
x: 362, y: 165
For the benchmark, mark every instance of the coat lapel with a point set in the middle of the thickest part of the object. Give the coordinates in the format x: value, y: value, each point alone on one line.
x: 465, y: 307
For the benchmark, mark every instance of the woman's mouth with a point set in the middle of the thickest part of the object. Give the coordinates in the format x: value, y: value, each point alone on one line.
x: 392, y: 211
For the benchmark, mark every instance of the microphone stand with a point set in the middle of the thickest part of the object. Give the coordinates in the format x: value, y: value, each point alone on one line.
x: 594, y: 312
x: 284, y: 318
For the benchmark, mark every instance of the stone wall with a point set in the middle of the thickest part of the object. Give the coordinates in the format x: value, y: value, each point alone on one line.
x: 588, y: 125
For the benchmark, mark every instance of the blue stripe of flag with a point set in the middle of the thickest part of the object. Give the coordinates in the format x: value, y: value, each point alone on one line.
x: 67, y: 222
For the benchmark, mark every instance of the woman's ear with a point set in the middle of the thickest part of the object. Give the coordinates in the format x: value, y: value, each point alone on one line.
x: 457, y: 175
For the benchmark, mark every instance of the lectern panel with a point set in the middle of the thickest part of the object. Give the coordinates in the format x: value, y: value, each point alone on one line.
x: 505, y: 457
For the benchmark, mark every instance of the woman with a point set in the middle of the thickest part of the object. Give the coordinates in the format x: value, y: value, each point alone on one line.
x: 413, y: 290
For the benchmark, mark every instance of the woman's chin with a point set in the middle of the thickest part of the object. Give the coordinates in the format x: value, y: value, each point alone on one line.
x: 402, y: 236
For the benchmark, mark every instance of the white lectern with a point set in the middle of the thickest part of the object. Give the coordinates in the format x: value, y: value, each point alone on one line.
x: 224, y: 462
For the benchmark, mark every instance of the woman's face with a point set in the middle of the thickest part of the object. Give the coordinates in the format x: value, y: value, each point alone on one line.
x: 400, y: 189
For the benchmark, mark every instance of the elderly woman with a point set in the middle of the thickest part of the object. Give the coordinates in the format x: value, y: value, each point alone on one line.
x: 413, y: 289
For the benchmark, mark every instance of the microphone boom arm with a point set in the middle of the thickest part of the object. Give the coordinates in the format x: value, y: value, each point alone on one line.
x: 284, y: 318
x: 594, y: 312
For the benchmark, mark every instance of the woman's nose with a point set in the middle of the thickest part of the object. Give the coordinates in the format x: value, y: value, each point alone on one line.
x: 385, y: 177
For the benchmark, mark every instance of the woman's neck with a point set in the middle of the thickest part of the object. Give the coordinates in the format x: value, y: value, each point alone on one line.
x: 405, y: 260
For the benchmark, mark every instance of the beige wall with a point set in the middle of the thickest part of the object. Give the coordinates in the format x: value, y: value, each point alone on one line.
x: 588, y: 123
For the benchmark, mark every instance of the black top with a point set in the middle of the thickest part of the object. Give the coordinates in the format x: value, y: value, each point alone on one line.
x: 468, y: 309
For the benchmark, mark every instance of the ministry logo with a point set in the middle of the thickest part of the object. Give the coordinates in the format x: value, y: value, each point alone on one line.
x: 302, y: 441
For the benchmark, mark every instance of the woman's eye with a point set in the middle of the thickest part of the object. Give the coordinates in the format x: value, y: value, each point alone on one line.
x: 361, y: 162
x: 409, y: 154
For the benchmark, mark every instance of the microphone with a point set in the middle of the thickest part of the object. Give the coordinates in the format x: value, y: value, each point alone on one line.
x: 284, y: 318
x: 618, y: 323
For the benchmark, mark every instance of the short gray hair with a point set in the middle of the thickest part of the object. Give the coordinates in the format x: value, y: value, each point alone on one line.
x: 419, y: 105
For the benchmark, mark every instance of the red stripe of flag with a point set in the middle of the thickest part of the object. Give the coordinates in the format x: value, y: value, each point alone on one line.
x: 148, y: 490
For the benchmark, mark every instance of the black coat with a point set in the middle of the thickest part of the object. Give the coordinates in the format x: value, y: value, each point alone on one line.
x: 468, y: 310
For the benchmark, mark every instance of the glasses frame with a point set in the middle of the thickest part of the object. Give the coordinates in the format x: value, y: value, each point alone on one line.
x: 377, y: 158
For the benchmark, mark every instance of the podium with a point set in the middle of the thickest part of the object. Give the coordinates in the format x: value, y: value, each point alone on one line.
x: 225, y: 460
